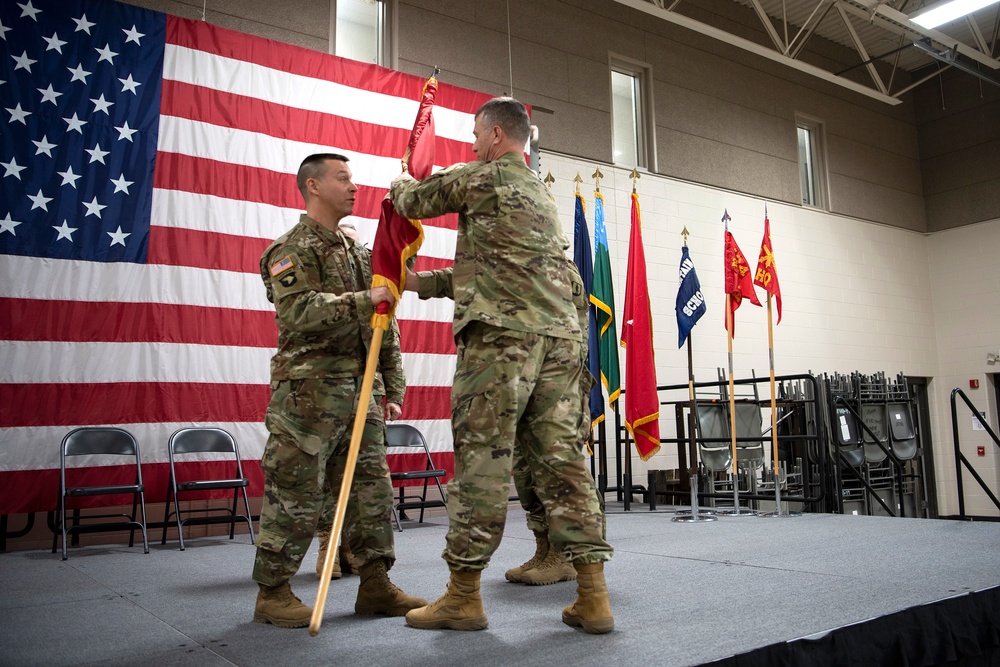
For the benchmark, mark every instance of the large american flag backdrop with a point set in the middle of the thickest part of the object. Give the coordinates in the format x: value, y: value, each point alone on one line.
x: 147, y: 162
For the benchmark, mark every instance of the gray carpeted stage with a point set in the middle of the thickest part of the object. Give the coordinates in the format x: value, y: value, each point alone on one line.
x: 682, y: 594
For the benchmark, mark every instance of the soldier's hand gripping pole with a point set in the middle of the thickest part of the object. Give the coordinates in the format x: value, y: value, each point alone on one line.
x: 380, y: 324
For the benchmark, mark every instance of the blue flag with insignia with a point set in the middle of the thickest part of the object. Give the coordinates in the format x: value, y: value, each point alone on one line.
x: 690, y: 301
x: 585, y: 263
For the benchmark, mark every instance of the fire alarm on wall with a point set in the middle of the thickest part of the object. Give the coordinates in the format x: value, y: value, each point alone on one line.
x: 973, y: 384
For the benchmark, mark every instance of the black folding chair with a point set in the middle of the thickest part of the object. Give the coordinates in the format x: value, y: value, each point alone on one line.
x: 204, y: 441
x: 405, y: 436
x: 109, y: 441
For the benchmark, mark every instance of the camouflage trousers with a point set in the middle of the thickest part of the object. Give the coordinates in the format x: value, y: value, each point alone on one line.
x: 309, y: 423
x: 523, y: 482
x: 516, y: 396
x: 327, y: 514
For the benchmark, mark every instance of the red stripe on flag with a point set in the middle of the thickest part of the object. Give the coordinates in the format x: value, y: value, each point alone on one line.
x: 250, y: 114
x: 423, y: 336
x: 208, y: 38
x: 432, y: 263
x: 427, y: 403
x: 89, y: 322
x: 83, y: 404
x: 175, y: 246
x: 28, y: 404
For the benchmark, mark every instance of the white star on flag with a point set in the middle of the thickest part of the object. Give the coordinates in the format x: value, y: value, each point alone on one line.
x: 125, y: 132
x: 39, y: 201
x: 132, y: 35
x: 69, y: 178
x: 49, y: 95
x: 29, y: 11
x: 3, y: 31
x: 8, y: 225
x: 12, y: 169
x: 23, y: 62
x: 129, y: 85
x: 93, y: 208
x: 106, y: 54
x: 17, y: 114
x: 54, y: 43
x: 44, y: 146
x: 75, y: 124
x: 79, y: 74
x: 101, y: 104
x: 83, y: 24
x: 118, y: 236
x: 121, y: 185
x: 65, y: 231
x: 96, y: 154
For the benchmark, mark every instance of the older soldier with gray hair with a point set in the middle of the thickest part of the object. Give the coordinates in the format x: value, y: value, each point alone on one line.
x: 516, y: 392
x: 319, y: 283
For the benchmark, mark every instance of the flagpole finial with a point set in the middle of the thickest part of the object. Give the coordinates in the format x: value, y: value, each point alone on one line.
x: 549, y: 180
x: 726, y: 218
x: 685, y: 233
x: 578, y: 180
x: 635, y: 177
x: 437, y: 70
x: 597, y: 176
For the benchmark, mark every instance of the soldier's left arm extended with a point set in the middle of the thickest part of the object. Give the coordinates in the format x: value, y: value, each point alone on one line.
x: 441, y: 192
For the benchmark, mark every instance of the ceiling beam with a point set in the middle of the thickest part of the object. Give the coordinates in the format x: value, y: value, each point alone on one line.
x: 648, y: 7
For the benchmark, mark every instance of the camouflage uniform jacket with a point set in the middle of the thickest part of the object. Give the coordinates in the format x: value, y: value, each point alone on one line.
x: 318, y: 281
x: 510, y: 258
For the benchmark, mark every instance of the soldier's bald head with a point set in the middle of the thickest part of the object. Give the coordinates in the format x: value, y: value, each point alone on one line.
x: 509, y: 115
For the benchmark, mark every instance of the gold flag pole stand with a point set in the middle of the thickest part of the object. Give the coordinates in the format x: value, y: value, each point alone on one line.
x: 734, y: 475
x: 778, y: 476
x: 692, y: 515
x: 379, y: 325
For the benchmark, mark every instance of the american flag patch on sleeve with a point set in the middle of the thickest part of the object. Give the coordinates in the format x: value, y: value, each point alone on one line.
x: 282, y: 265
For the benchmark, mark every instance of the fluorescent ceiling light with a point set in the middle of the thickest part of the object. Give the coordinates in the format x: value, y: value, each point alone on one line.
x: 948, y: 11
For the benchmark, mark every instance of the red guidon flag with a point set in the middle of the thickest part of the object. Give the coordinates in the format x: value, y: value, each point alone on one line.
x: 397, y: 239
x: 767, y: 270
x: 739, y: 283
x: 642, y: 405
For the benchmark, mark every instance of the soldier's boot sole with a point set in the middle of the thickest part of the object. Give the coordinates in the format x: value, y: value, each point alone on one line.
x: 261, y: 617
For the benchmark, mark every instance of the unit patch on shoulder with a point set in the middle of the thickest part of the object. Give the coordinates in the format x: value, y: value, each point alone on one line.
x: 282, y: 265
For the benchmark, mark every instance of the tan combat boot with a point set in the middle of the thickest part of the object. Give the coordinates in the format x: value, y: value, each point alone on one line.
x: 345, y: 558
x: 592, y: 610
x: 541, y: 549
x: 278, y: 606
x: 324, y: 540
x: 552, y: 569
x: 378, y: 595
x: 460, y: 608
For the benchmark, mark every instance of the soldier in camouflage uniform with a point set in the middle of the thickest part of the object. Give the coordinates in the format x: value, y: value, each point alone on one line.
x: 318, y: 284
x: 516, y: 391
x: 388, y: 389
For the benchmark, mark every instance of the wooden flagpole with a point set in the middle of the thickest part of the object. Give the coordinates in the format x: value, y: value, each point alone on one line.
x: 380, y: 325
x: 774, y: 410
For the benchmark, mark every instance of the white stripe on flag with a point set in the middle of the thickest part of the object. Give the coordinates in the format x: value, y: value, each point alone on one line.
x: 264, y: 83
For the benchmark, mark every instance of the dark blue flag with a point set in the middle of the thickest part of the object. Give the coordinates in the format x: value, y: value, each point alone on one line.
x: 584, y: 261
x: 690, y: 301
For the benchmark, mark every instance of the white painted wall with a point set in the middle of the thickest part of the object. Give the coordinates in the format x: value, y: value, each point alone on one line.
x: 857, y: 296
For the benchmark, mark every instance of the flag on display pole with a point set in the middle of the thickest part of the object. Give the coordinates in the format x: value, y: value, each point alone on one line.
x: 147, y: 162
x: 602, y: 295
x: 690, y: 304
x: 739, y: 281
x: 585, y: 265
x: 767, y: 271
x: 642, y: 404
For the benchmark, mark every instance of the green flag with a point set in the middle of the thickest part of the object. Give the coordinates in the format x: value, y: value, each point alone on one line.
x: 602, y: 295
